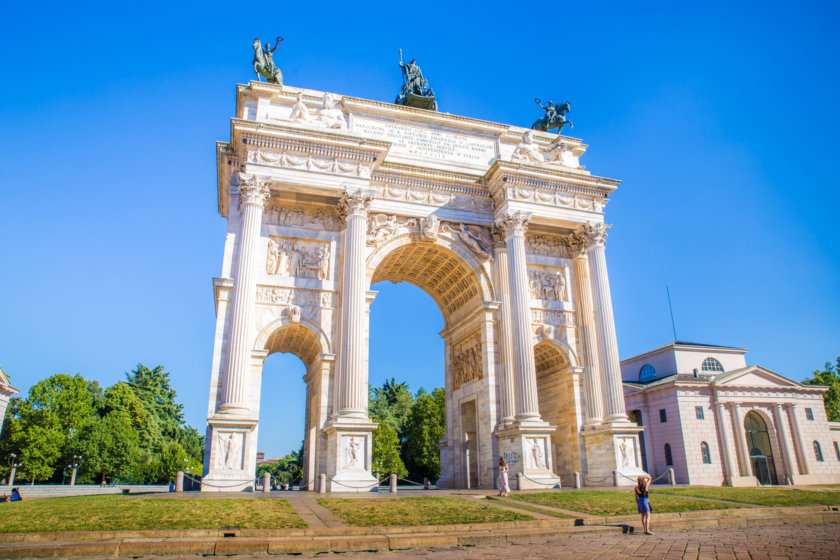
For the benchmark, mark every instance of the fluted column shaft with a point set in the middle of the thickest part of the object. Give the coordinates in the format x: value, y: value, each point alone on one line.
x: 800, y: 444
x: 352, y: 387
x: 785, y: 444
x: 586, y: 327
x: 524, y: 370
x: 613, y: 389
x: 743, y: 445
x: 507, y: 401
x: 253, y: 194
x: 729, y: 460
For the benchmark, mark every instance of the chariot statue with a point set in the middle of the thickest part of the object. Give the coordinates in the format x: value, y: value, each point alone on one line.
x: 264, y: 62
x: 415, y: 90
x: 555, y: 117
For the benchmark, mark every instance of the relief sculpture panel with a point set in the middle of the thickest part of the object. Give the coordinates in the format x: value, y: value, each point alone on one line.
x: 466, y: 363
x: 298, y: 258
x: 548, y: 284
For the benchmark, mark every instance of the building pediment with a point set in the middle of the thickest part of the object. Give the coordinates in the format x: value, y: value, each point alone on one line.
x: 755, y: 377
x: 5, y: 386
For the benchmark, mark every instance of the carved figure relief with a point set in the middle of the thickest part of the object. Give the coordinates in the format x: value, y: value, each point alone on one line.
x: 229, y: 450
x: 296, y: 296
x: 475, y: 237
x: 537, y: 453
x: 384, y: 227
x: 527, y: 150
x: 353, y: 453
x: 548, y: 285
x: 426, y: 194
x: 293, y: 257
x: 429, y: 227
x: 626, y: 452
x: 328, y: 116
x: 321, y: 218
x: 466, y: 363
x: 545, y: 245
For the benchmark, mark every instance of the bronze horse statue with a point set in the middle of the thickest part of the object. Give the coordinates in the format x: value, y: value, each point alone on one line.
x: 555, y: 117
x: 264, y: 62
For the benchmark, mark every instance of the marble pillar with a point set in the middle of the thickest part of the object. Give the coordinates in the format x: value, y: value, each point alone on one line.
x: 577, y: 245
x: 788, y: 457
x: 253, y: 194
x: 608, y: 360
x: 507, y: 402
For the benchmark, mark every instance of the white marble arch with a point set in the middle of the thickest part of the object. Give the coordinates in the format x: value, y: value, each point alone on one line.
x: 306, y: 340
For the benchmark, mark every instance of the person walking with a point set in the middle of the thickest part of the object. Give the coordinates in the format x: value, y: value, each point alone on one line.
x: 504, y: 487
x: 642, y: 501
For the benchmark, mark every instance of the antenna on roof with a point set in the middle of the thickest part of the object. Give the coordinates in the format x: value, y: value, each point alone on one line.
x: 671, y: 308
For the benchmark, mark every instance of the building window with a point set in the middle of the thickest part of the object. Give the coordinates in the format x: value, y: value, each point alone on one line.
x: 818, y: 452
x: 809, y: 414
x: 711, y: 365
x: 698, y: 410
x: 663, y: 416
x: 646, y: 373
x: 669, y: 461
x: 837, y: 450
x: 704, y: 451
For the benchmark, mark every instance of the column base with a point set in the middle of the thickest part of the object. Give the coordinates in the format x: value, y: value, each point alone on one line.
x: 527, y: 448
x: 612, y: 455
x: 349, y: 445
x: 740, y: 481
x: 230, y: 466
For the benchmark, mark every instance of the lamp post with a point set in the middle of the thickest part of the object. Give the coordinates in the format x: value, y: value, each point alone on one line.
x: 64, y: 474
x: 77, y: 462
x: 14, y: 464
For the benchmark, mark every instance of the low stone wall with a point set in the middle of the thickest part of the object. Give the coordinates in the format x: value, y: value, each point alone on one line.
x: 63, y: 490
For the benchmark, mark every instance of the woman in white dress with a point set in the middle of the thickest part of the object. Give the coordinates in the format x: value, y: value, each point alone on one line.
x: 504, y: 488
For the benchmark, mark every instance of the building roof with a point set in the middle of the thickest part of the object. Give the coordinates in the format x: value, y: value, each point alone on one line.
x: 682, y: 344
x: 5, y: 386
x: 726, y: 378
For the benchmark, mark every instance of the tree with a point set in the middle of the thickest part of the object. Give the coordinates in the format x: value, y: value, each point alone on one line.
x: 830, y: 377
x: 391, y: 404
x: 152, y: 386
x: 123, y: 397
x: 386, y: 452
x: 108, y: 446
x: 425, y: 428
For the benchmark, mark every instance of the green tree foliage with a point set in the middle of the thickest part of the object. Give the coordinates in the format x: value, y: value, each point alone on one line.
x: 390, y: 404
x: 288, y: 469
x: 108, y: 448
x: 830, y: 377
x: 386, y: 452
x: 425, y: 428
x: 153, y: 388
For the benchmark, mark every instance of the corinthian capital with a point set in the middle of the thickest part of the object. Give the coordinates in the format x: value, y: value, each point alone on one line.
x: 597, y: 233
x: 253, y: 190
x: 576, y: 244
x: 355, y: 203
x: 513, y: 224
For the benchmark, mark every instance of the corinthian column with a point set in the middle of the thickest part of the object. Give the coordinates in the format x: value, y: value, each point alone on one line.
x: 253, y: 194
x: 506, y: 390
x: 605, y: 324
x: 352, y: 386
x: 524, y: 371
x: 577, y: 245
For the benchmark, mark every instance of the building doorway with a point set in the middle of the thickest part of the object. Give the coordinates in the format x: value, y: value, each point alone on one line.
x: 761, y: 453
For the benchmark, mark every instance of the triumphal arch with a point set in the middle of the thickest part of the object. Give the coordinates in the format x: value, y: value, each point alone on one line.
x: 326, y: 195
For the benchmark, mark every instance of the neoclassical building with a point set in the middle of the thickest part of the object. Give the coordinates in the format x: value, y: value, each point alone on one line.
x: 327, y: 195
x: 715, y: 420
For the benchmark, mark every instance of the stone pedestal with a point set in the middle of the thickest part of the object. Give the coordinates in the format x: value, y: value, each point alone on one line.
x: 231, y: 466
x: 612, y: 447
x: 349, y: 446
x: 528, y: 451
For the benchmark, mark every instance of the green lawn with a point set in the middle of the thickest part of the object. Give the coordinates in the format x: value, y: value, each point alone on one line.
x: 761, y: 496
x: 535, y: 509
x: 102, y: 513
x: 373, y: 512
x: 614, y: 502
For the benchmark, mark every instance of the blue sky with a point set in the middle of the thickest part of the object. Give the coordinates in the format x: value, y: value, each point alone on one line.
x: 720, y: 118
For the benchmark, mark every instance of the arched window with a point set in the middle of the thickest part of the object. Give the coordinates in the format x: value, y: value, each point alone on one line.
x: 818, y: 451
x: 669, y: 460
x: 711, y: 365
x: 704, y: 451
x: 647, y: 373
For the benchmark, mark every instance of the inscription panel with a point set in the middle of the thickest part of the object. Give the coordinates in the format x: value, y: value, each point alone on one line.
x: 429, y: 142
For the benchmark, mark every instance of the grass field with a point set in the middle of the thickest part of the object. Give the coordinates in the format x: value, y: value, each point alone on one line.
x: 374, y: 512
x: 535, y: 509
x: 102, y: 513
x: 761, y: 496
x: 613, y: 502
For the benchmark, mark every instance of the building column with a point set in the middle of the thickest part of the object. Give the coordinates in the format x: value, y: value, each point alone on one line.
x: 613, y: 389
x: 730, y: 462
x: 513, y: 227
x: 741, y: 438
x: 352, y: 386
x: 804, y: 467
x: 506, y: 391
x: 784, y: 441
x: 253, y: 195
x: 577, y: 245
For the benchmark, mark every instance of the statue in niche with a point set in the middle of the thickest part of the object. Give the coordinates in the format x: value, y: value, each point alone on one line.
x: 622, y: 448
x: 329, y: 116
x: 415, y: 90
x: 228, y: 451
x: 537, y: 454
x: 429, y: 227
x: 555, y: 117
x: 353, y: 452
x: 527, y: 150
x: 264, y: 62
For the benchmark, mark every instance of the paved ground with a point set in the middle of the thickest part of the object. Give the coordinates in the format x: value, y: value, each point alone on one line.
x: 753, y: 543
